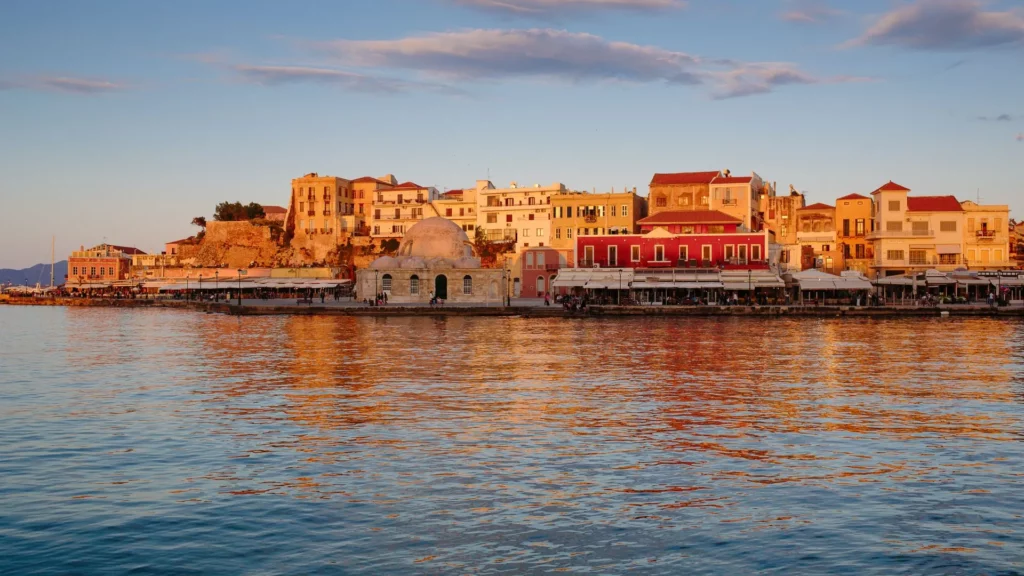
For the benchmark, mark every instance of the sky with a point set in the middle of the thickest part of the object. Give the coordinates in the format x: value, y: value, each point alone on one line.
x: 120, y: 121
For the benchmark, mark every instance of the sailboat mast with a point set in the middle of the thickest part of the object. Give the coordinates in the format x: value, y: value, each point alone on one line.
x: 53, y: 241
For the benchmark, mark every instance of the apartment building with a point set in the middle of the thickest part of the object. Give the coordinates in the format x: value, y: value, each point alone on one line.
x: 986, y: 236
x: 459, y: 206
x: 320, y: 206
x: 853, y: 224
x: 817, y: 239
x: 518, y: 214
x: 915, y: 233
x: 779, y: 214
x: 680, y: 191
x: 396, y: 208
x: 99, y: 266
x: 576, y: 214
x: 738, y: 196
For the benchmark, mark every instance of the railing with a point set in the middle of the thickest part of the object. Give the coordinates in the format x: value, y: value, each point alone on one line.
x: 327, y: 230
x: 327, y: 212
x: 986, y: 234
x: 311, y: 213
x: 590, y: 219
x: 954, y: 260
x: 900, y: 234
x: 730, y: 202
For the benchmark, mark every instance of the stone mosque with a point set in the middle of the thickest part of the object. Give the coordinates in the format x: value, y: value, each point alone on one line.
x: 436, y: 256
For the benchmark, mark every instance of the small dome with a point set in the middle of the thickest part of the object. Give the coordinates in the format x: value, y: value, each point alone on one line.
x: 384, y: 263
x: 436, y: 238
x: 467, y: 263
x: 439, y: 263
x: 413, y: 262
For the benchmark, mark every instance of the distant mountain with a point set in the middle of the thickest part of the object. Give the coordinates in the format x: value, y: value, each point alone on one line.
x: 39, y: 273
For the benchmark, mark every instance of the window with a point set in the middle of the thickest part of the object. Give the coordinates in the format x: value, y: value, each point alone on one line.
x: 860, y: 251
x: 998, y: 224
x: 919, y: 228
x: 625, y: 210
x: 716, y: 229
x: 302, y: 206
x: 376, y: 214
x: 385, y: 283
x: 492, y: 218
x: 92, y: 271
x: 376, y: 230
x: 540, y: 232
x: 705, y: 252
x: 947, y: 226
x: 919, y: 257
x: 526, y: 232
x: 448, y: 212
x: 530, y: 217
x: 684, y: 253
x: 110, y: 271
x: 613, y: 211
x: 467, y: 284
x: 743, y: 252
x: 826, y: 247
x: 531, y: 201
x: 755, y: 252
x: 894, y: 205
x: 568, y: 232
x: 398, y: 213
x: 730, y: 252
x: 74, y: 271
x: 634, y: 253
x: 540, y: 258
x: 508, y: 217
x: 660, y: 202
x: 846, y: 227
x: 613, y: 256
x: 948, y: 258
x: 894, y: 255
x: 588, y: 255
x: 846, y: 250
x: 860, y: 227
x: 529, y: 258
x: 970, y: 226
x: 558, y: 233
x: 894, y: 226
x: 997, y: 255
x: 469, y: 227
x: 659, y: 253
x: 414, y: 285
x: 462, y: 211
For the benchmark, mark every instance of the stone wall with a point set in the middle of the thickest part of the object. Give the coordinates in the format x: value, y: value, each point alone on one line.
x: 235, y: 244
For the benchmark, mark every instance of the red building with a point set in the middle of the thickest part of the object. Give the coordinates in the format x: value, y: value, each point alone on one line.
x: 539, y: 268
x: 100, y: 265
x: 679, y: 239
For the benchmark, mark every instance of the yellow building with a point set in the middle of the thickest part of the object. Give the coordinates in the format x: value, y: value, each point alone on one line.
x: 987, y: 236
x: 320, y: 206
x: 680, y: 191
x: 738, y: 196
x: 460, y: 207
x: 364, y: 190
x: 853, y: 224
x: 816, y: 236
x: 916, y: 233
x: 780, y: 214
x: 397, y: 208
x: 575, y: 214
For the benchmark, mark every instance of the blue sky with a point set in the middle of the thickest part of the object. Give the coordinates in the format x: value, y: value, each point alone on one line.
x: 121, y: 120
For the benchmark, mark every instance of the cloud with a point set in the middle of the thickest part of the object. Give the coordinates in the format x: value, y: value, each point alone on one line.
x: 944, y: 25
x: 1020, y: 137
x: 810, y: 12
x: 548, y: 54
x: 63, y: 84
x: 549, y: 7
x: 278, y: 75
x: 999, y: 118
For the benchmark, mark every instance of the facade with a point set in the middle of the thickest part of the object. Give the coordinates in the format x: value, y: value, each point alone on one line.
x: 275, y: 214
x: 1017, y: 242
x: 321, y: 207
x: 680, y: 239
x: 434, y: 258
x: 816, y: 236
x: 779, y: 214
x: 364, y: 190
x: 738, y: 196
x: 518, y: 214
x: 460, y: 207
x: 986, y: 236
x: 576, y: 214
x: 916, y: 233
x: 680, y: 191
x: 538, y: 269
x: 398, y: 208
x: 100, y: 265
x: 853, y: 224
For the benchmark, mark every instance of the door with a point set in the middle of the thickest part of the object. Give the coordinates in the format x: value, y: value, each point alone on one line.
x: 441, y: 287
x: 540, y: 286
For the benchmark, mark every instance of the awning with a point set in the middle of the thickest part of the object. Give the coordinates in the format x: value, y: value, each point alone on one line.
x: 938, y: 281
x: 971, y: 281
x: 895, y: 281
x: 948, y: 249
x: 1007, y: 281
x: 605, y: 285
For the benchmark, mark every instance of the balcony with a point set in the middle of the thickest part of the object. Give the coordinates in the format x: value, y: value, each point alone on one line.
x: 311, y: 213
x: 327, y: 212
x: 985, y: 234
x: 880, y: 234
x: 730, y: 202
x: 827, y: 236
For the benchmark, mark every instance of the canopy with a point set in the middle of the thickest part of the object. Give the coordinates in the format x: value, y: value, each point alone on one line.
x: 593, y: 278
x: 817, y: 280
x: 1007, y: 281
x: 895, y: 281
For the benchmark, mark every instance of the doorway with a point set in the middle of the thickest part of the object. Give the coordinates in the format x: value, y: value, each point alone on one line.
x: 441, y: 287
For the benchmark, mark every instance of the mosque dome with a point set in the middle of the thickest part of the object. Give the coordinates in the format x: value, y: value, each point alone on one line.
x: 436, y: 238
x: 467, y: 263
x: 414, y: 262
x: 384, y: 263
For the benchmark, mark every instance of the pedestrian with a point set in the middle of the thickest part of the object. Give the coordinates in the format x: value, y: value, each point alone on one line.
x: 321, y: 296
x: 547, y: 299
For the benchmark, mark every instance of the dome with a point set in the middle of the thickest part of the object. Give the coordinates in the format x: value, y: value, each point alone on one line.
x: 384, y: 263
x: 412, y: 262
x: 436, y: 238
x: 467, y: 263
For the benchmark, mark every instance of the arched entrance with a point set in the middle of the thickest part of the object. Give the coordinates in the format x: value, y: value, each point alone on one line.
x: 441, y: 286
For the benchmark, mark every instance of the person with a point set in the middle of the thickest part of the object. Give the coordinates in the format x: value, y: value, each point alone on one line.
x: 321, y: 296
x: 547, y: 299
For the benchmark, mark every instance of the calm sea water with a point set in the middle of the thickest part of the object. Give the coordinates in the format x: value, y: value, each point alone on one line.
x: 156, y: 442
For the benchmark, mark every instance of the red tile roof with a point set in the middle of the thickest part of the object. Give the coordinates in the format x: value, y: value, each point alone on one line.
x: 129, y: 250
x: 369, y: 179
x: 458, y: 192
x: 933, y: 204
x: 410, y: 185
x: 689, y: 217
x: 683, y: 178
x: 892, y: 186
x: 733, y: 180
x: 854, y: 196
x: 818, y: 206
x: 274, y: 210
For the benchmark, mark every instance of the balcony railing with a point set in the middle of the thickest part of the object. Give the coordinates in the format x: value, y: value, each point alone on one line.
x: 327, y: 212
x: 311, y: 212
x: 985, y: 234
x: 878, y: 234
x: 730, y: 202
x: 935, y: 261
x: 590, y: 219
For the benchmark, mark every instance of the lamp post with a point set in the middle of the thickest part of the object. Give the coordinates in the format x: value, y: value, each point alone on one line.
x: 188, y: 294
x: 618, y: 295
x: 508, y: 286
x: 239, y: 286
x: 376, y: 275
x: 200, y: 285
x: 216, y: 285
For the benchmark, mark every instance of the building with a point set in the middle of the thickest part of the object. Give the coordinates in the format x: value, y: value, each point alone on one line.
x: 779, y: 214
x: 460, y: 207
x: 275, y: 214
x: 538, y: 269
x: 364, y: 190
x: 434, y: 258
x: 397, y: 208
x: 853, y: 224
x: 1017, y: 242
x: 738, y: 196
x: 320, y: 209
x: 680, y: 191
x: 986, y: 236
x: 816, y: 236
x: 99, y: 266
x: 682, y: 239
x: 915, y: 233
x: 576, y: 214
x: 516, y: 214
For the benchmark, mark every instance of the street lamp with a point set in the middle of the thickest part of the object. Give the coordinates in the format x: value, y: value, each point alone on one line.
x: 618, y: 295
x: 200, y: 285
x: 239, y: 286
x: 508, y: 286
x: 188, y: 294
x: 216, y: 285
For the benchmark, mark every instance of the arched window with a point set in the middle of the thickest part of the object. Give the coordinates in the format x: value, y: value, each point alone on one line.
x: 386, y: 282
x: 414, y: 285
x: 467, y: 284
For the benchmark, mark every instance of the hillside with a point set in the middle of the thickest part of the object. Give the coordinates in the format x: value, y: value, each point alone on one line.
x: 39, y: 273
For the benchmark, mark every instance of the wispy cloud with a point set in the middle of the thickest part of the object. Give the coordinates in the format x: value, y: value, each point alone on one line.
x: 810, y: 12
x: 64, y: 84
x: 999, y: 118
x: 559, y: 55
x: 279, y: 75
x: 953, y: 25
x: 552, y: 7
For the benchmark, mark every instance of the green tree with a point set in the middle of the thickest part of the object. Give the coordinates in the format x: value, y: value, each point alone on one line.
x: 236, y: 211
x: 199, y: 221
x: 389, y: 246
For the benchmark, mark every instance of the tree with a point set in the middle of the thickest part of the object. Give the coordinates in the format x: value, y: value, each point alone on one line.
x: 236, y: 211
x: 389, y: 246
x: 199, y: 221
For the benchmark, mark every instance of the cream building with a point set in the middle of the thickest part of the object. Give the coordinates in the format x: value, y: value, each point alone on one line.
x: 916, y: 233
x: 518, y: 214
x: 987, y: 236
x: 434, y: 258
x: 397, y: 208
x: 459, y: 206
x: 738, y: 196
x: 817, y: 238
x: 779, y: 214
x: 364, y: 190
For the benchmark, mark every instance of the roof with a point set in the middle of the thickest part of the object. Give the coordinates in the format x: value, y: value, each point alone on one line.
x: 733, y: 180
x: 933, y: 204
x: 410, y: 185
x: 892, y: 187
x: 274, y: 210
x: 366, y: 179
x: 684, y: 178
x: 129, y: 250
x: 818, y: 206
x: 457, y: 192
x: 854, y: 196
x: 182, y: 241
x: 689, y: 217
